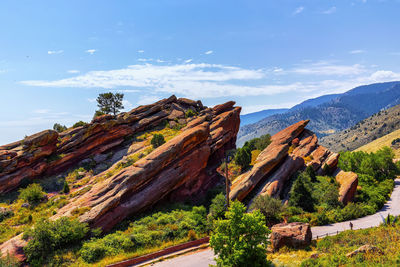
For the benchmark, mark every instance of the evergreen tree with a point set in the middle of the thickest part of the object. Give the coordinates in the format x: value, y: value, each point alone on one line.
x: 110, y: 103
x: 301, y: 193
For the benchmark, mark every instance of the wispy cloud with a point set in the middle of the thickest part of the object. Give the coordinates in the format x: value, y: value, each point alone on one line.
x: 91, y: 51
x: 148, y: 99
x: 298, y: 10
x: 212, y: 80
x: 329, y: 11
x: 73, y: 71
x: 209, y: 52
x: 359, y: 51
x: 55, y: 52
x: 140, y: 51
x: 41, y: 111
x: 326, y: 68
x: 188, y: 60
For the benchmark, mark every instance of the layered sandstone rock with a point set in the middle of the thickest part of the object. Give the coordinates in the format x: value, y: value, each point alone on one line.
x: 184, y: 167
x: 49, y: 152
x: 348, y: 185
x: 296, y: 235
x: 291, y: 150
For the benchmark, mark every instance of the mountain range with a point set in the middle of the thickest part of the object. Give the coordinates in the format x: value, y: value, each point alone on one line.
x: 329, y: 114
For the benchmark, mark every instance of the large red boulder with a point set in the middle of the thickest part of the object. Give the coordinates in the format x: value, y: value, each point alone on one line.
x: 295, y: 235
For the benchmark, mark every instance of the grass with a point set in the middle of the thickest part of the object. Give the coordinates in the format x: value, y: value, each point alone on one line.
x: 382, y: 142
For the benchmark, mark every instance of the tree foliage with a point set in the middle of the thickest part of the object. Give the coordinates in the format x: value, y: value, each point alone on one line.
x: 110, y: 103
x: 259, y: 143
x: 157, y: 140
x: 301, y: 193
x: 59, y: 128
x: 270, y: 207
x: 49, y: 236
x: 33, y: 194
x: 243, y: 157
x: 241, y: 238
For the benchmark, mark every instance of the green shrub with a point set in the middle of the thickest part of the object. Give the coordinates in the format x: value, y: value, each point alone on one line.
x: 79, y: 123
x: 33, y: 194
x: 49, y: 236
x: 301, y: 193
x: 217, y: 210
x: 259, y: 143
x: 190, y: 113
x: 241, y: 238
x: 270, y: 207
x: 65, y: 189
x: 243, y: 157
x: 157, y: 140
x: 93, y: 251
x: 59, y: 128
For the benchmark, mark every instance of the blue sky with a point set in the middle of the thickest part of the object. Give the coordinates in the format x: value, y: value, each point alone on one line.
x: 57, y: 56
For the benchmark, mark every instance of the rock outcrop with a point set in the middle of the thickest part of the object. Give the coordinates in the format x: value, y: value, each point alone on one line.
x: 348, y: 185
x: 296, y: 235
x: 49, y: 152
x: 182, y: 167
x: 291, y: 150
x: 365, y: 249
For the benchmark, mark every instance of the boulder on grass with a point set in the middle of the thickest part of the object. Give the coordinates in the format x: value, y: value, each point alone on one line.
x: 296, y: 235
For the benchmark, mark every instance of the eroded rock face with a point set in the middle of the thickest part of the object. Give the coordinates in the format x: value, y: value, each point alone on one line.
x: 49, y: 152
x: 296, y: 235
x: 348, y: 185
x: 291, y: 150
x: 180, y: 168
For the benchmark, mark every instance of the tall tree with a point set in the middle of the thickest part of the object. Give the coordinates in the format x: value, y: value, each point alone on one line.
x: 110, y: 103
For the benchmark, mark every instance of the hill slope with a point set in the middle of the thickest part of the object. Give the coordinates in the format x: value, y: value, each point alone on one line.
x: 382, y: 142
x: 366, y: 131
x: 335, y: 115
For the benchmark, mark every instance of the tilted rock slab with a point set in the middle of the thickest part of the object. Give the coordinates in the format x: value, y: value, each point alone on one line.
x: 49, y: 152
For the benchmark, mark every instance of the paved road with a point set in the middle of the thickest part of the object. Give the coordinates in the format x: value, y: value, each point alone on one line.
x: 206, y: 256
x: 391, y: 207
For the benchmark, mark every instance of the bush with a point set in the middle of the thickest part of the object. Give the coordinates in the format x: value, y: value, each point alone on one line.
x: 301, y: 193
x: 98, y: 113
x: 65, y: 189
x: 243, y: 157
x: 33, y: 194
x: 79, y: 123
x: 241, y: 238
x: 217, y: 210
x: 49, y: 236
x: 157, y: 140
x: 190, y: 113
x: 270, y: 207
x: 59, y: 128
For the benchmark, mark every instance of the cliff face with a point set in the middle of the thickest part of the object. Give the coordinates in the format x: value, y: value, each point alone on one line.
x: 291, y: 150
x: 183, y: 167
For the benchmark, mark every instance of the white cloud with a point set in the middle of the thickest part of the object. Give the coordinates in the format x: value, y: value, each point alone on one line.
x: 92, y: 100
x: 326, y: 68
x: 160, y: 61
x: 140, y: 51
x: 41, y: 111
x: 213, y: 80
x: 127, y: 105
x: 298, y: 10
x: 91, y: 51
x: 148, y: 99
x: 55, y: 52
x: 188, y: 60
x: 359, y: 51
x: 329, y: 11
x: 73, y: 71
x: 246, y: 109
x: 209, y: 52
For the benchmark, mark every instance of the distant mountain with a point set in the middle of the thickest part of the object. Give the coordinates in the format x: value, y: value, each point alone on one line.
x: 364, y: 132
x: 259, y: 115
x: 313, y: 102
x: 337, y: 113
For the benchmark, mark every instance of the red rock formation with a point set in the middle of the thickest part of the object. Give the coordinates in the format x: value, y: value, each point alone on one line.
x: 177, y: 168
x: 348, y: 185
x: 296, y: 235
x: 291, y: 150
x: 50, y: 153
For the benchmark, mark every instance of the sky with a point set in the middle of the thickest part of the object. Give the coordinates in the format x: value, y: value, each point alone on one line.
x: 57, y: 56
